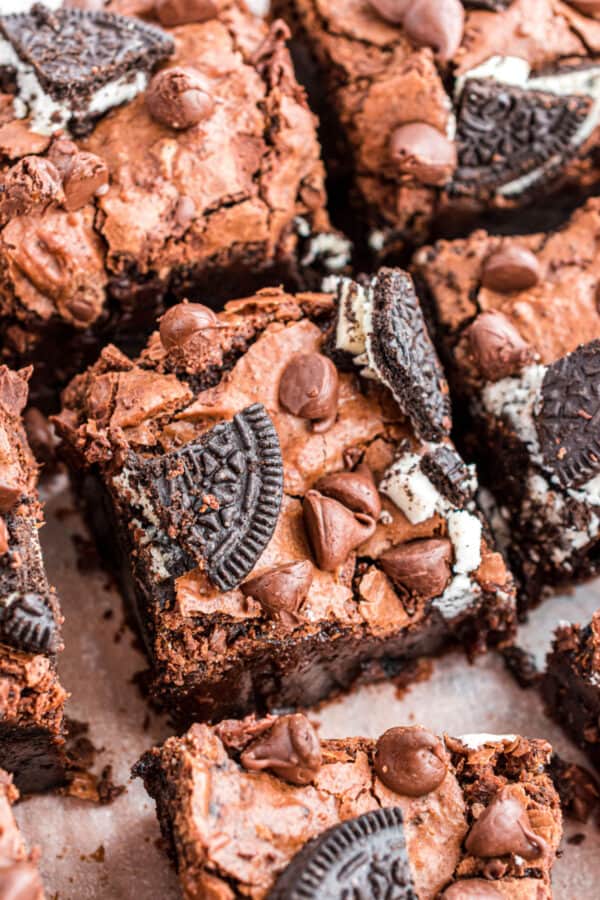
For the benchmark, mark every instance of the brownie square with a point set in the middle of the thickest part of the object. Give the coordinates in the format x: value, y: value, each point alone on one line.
x: 31, y: 696
x: 443, y: 113
x: 281, y: 498
x: 262, y: 808
x: 517, y: 321
x: 19, y: 876
x: 187, y: 182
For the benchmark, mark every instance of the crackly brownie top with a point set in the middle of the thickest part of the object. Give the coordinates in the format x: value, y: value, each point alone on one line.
x: 268, y: 459
x: 29, y: 615
x: 220, y: 151
x: 497, y: 97
x: 19, y: 876
x: 440, y: 816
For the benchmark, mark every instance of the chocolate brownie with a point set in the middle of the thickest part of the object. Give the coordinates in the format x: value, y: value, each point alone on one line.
x: 31, y: 696
x: 261, y: 808
x: 19, y: 877
x: 205, y: 175
x: 278, y: 487
x: 441, y: 112
x: 519, y: 323
x: 571, y: 683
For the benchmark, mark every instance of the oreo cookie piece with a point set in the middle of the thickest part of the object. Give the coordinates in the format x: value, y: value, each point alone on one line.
x: 512, y: 138
x: 361, y: 858
x: 568, y: 419
x: 450, y: 474
x: 401, y: 354
x: 27, y: 623
x: 493, y: 5
x: 218, y: 498
x: 70, y: 66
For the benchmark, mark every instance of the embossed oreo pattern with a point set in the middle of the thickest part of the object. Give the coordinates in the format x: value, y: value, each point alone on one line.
x: 505, y: 132
x: 447, y: 471
x: 568, y: 421
x: 403, y: 356
x: 360, y: 859
x: 27, y: 623
x: 220, y: 495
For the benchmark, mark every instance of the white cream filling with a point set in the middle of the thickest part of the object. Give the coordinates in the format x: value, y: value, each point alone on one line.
x: 475, y: 741
x: 332, y: 250
x: 48, y: 115
x: 516, y: 400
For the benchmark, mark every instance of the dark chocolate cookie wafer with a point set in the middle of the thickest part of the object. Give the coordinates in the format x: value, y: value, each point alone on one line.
x: 220, y: 495
x: 505, y: 132
x: 27, y: 622
x: 568, y: 421
x: 361, y: 858
x: 493, y: 5
x: 400, y: 350
x: 445, y: 468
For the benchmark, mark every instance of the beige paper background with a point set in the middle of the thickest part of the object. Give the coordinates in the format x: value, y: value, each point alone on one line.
x: 98, y: 665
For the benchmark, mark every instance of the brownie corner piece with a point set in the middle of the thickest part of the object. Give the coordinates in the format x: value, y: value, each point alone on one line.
x: 280, y: 494
x: 32, y: 744
x: 198, y: 177
x: 517, y: 323
x: 432, y: 817
x: 19, y: 876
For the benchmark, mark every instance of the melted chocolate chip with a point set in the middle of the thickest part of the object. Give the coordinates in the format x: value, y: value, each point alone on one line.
x: 309, y: 388
x: 333, y: 530
x: 437, y: 25
x: 27, y: 623
x: 391, y: 10
x: 504, y: 827
x: 497, y: 347
x: 20, y: 881
x: 32, y: 183
x: 4, y: 538
x: 282, y: 591
x: 184, y: 12
x: 86, y: 177
x: 178, y: 98
x: 423, y: 153
x: 362, y: 858
x: 356, y: 490
x: 511, y: 269
x: 421, y: 569
x: 290, y: 749
x: 568, y: 420
x: 182, y: 322
x: 410, y: 761
x: 472, y: 889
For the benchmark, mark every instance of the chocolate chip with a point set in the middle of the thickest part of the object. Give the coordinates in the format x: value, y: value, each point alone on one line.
x: 61, y: 154
x: 422, y: 152
x: 587, y: 7
x: 182, y: 322
x: 421, y: 569
x: 179, y: 98
x: 510, y: 269
x: 438, y: 25
x: 504, y: 827
x: 356, y: 490
x: 3, y: 538
x: 20, y: 881
x: 184, y: 12
x: 291, y: 750
x: 282, y: 591
x: 410, y: 761
x: 27, y: 623
x: 309, y: 388
x: 568, y: 419
x: 472, y: 889
x: 32, y: 183
x: 497, y: 347
x: 365, y: 857
x: 333, y: 530
x: 85, y: 178
x: 391, y: 10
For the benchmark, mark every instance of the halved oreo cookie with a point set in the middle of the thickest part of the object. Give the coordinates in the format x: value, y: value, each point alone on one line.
x: 218, y: 498
x: 507, y: 134
x: 70, y: 66
x: 451, y: 476
x: 361, y: 858
x: 401, y: 353
x: 27, y: 623
x: 568, y: 420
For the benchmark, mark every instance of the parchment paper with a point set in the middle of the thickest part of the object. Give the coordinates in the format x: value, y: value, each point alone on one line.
x: 111, y: 852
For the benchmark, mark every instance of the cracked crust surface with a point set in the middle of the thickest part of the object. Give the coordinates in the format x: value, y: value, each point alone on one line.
x: 231, y: 832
